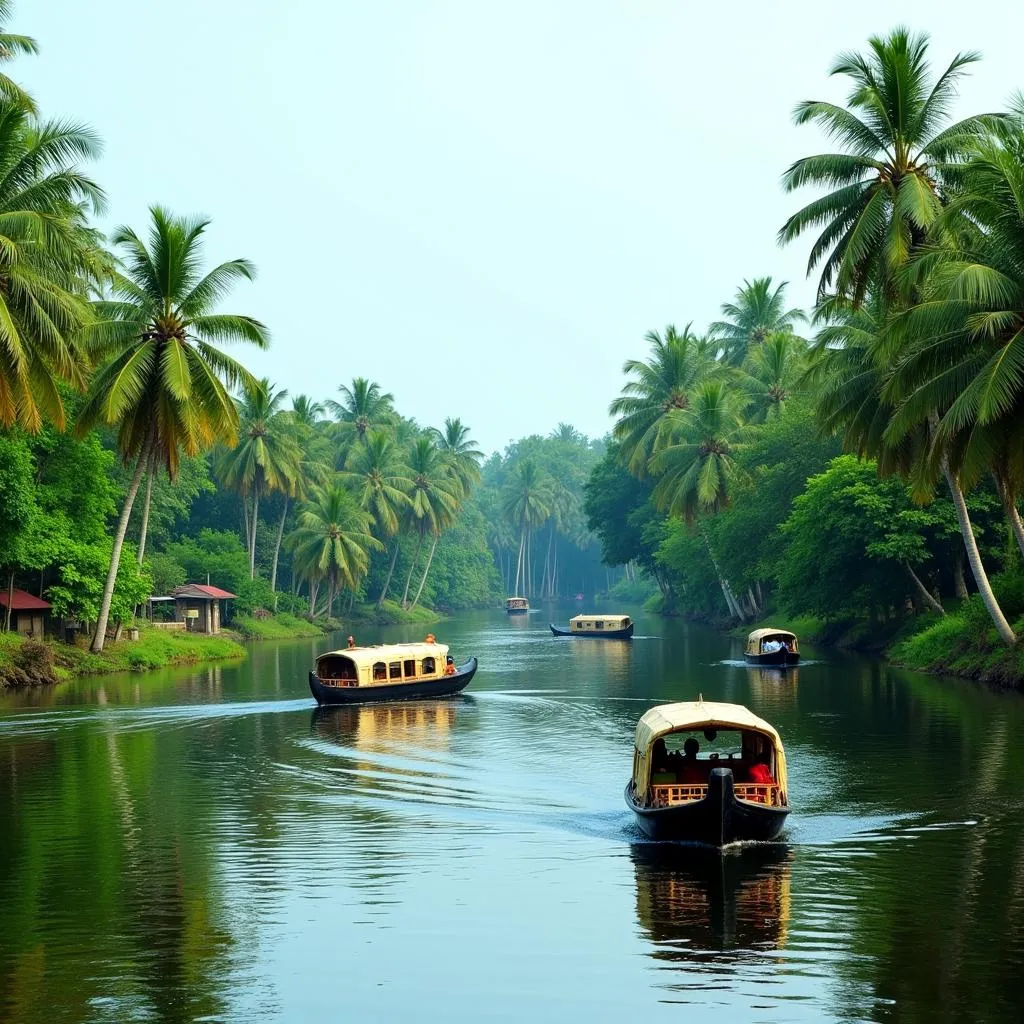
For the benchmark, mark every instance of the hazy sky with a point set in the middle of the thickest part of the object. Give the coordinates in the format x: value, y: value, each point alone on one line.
x: 481, y: 205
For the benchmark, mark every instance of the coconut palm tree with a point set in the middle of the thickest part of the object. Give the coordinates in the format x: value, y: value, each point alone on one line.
x: 333, y: 541
x: 11, y: 45
x: 568, y: 433
x: 163, y: 381
x: 758, y: 312
x: 663, y: 384
x: 265, y: 459
x: 527, y: 504
x: 306, y: 413
x: 771, y: 375
x: 462, y: 453
x: 696, y: 469
x: 383, y: 485
x: 897, y: 149
x: 45, y: 254
x: 364, y: 406
x: 434, y: 502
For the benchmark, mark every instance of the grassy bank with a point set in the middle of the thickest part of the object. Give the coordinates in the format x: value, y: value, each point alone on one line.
x: 275, y: 627
x: 391, y: 613
x: 28, y: 662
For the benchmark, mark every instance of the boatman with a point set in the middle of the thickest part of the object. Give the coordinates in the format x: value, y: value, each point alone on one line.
x: 351, y: 642
x: 449, y: 666
x: 430, y: 639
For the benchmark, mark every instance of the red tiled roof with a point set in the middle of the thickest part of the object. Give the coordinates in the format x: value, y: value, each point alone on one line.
x: 24, y: 601
x: 201, y: 590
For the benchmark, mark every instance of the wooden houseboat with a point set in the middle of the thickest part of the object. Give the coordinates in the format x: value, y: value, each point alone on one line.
x: 516, y: 606
x: 359, y: 675
x: 610, y: 627
x: 772, y: 647
x: 733, y: 790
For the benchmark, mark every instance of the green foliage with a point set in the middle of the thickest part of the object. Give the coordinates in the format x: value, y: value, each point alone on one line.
x: 282, y: 626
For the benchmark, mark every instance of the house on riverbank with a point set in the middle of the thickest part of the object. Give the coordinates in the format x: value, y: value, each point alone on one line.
x: 28, y: 612
x: 197, y: 608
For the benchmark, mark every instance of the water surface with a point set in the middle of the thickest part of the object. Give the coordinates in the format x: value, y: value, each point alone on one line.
x: 203, y: 845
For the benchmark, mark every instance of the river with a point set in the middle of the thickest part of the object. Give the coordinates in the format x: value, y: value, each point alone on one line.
x: 201, y: 845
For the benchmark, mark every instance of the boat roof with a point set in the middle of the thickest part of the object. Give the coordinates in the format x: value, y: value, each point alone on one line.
x: 388, y: 652
x: 515, y: 597
x: 760, y: 634
x: 698, y: 714
x: 598, y: 615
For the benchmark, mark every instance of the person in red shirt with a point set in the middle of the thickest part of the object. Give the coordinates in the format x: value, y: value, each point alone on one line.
x: 690, y: 773
x: 761, y: 774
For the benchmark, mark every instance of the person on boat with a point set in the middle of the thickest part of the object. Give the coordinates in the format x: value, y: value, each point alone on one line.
x: 351, y: 642
x: 761, y: 774
x: 430, y: 639
x: 690, y: 773
x: 659, y: 757
x: 449, y: 666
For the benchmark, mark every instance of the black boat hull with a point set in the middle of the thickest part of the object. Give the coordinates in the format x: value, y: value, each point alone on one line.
x: 607, y: 634
x: 777, y: 658
x: 517, y: 611
x: 716, y: 820
x: 445, y: 686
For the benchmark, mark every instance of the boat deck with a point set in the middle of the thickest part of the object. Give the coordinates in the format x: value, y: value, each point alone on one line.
x: 670, y: 794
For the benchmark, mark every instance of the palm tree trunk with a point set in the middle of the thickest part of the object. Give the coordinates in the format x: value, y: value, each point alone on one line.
x: 10, y: 601
x: 245, y: 521
x: 974, y: 558
x: 426, y: 569
x: 730, y: 601
x: 144, y: 529
x: 391, y: 569
x: 314, y: 593
x: 255, y: 520
x: 277, y: 550
x: 115, y: 554
x: 1010, y: 508
x: 926, y: 595
x: 959, y: 583
x: 412, y: 568
x: 519, y: 560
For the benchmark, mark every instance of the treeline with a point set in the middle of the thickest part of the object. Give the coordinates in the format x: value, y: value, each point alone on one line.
x: 849, y: 461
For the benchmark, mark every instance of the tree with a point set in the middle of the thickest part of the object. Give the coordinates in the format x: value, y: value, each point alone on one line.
x: 44, y: 253
x: 306, y: 413
x: 462, y: 453
x: 434, y: 502
x: 333, y: 540
x: 771, y: 375
x: 896, y: 149
x: 363, y: 407
x: 12, y: 44
x: 163, y: 382
x: 527, y: 504
x: 757, y: 313
x: 382, y: 485
x: 661, y: 386
x: 266, y: 457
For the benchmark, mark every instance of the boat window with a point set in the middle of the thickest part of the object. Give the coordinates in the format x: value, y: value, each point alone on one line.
x: 409, y: 669
x: 599, y: 624
x: 395, y: 670
x: 380, y: 670
x: 625, y: 621
x: 428, y: 666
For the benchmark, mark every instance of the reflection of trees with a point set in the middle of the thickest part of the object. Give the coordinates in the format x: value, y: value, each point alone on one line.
x: 691, y: 898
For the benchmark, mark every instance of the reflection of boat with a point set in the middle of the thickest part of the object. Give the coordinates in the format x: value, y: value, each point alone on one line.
x: 773, y: 686
x: 712, y: 900
x: 516, y: 605
x: 376, y: 727
x: 734, y: 790
x: 607, y: 627
x: 357, y: 675
x: 772, y: 647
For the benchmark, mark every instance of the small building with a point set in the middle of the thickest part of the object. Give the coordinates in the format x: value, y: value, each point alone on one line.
x: 198, y: 606
x: 27, y: 612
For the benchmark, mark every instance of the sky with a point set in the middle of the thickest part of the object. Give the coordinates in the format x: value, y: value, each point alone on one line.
x: 481, y: 205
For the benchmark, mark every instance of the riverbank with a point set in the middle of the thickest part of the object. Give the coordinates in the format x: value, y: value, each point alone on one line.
x: 29, y: 662
x: 960, y: 643
x: 284, y: 626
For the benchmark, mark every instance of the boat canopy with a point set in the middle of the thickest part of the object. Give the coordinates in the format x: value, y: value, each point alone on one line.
x: 610, y: 621
x: 756, y: 638
x: 692, y: 716
x: 365, y: 656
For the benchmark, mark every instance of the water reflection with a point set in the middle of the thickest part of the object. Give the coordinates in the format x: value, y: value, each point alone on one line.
x: 773, y: 687
x: 378, y: 728
x: 690, y: 898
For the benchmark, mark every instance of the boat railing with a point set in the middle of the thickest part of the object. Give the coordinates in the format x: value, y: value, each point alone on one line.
x: 329, y: 681
x: 667, y: 795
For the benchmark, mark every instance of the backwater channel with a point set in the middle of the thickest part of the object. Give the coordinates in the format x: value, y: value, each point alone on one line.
x: 202, y: 845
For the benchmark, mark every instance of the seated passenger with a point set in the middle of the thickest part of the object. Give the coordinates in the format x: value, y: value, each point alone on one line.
x: 690, y: 773
x: 449, y: 666
x: 659, y: 757
x: 761, y: 774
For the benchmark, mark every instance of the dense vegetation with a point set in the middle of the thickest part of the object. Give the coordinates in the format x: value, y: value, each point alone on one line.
x: 851, y: 474
x: 136, y: 454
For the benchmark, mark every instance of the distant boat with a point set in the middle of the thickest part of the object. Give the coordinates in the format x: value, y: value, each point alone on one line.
x: 608, y: 627
x: 359, y: 675
x: 735, y: 791
x: 516, y: 605
x: 772, y: 647
x: 579, y: 597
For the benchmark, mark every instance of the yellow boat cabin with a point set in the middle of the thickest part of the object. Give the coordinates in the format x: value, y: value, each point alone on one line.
x: 772, y: 647
x: 383, y: 665
x: 517, y: 605
x: 618, y: 627
x: 678, y: 745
